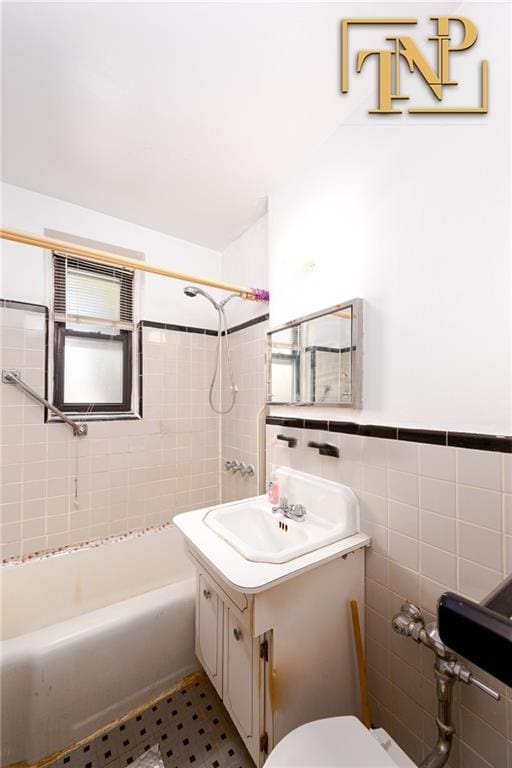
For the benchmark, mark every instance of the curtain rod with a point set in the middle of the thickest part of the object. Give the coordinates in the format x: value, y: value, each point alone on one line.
x: 16, y: 236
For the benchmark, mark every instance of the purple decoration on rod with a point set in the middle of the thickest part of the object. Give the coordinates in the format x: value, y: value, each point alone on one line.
x: 260, y: 294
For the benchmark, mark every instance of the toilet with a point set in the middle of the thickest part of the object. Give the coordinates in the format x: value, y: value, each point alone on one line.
x: 337, y: 742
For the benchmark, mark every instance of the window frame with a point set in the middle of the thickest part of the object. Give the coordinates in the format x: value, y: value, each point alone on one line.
x: 127, y: 408
x: 59, y: 345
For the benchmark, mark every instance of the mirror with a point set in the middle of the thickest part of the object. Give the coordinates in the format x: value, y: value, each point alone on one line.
x: 317, y: 359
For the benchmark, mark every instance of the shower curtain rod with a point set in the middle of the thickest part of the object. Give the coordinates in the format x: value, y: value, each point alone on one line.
x: 16, y: 236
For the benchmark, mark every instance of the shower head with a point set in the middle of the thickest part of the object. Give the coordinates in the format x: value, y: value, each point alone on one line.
x: 222, y: 339
x: 193, y: 290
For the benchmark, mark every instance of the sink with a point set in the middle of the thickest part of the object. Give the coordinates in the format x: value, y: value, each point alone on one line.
x: 260, y: 535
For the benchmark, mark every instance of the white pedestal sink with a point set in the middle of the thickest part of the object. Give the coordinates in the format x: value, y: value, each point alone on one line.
x: 261, y: 535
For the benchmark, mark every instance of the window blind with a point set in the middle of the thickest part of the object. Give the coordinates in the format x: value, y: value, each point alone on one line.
x: 94, y: 294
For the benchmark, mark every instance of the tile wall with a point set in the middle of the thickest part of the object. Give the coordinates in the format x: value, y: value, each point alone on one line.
x: 440, y: 519
x: 239, y: 427
x: 130, y: 474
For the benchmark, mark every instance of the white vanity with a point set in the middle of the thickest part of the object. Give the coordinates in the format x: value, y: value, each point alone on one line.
x: 273, y: 629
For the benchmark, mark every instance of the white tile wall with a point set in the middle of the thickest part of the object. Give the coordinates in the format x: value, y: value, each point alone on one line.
x: 130, y: 474
x: 239, y: 427
x: 440, y: 518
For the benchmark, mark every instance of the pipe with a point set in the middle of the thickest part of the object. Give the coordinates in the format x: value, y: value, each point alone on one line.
x: 50, y: 244
x: 409, y: 621
x: 445, y: 730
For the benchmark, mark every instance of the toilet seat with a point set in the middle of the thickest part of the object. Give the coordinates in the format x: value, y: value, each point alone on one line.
x: 336, y: 742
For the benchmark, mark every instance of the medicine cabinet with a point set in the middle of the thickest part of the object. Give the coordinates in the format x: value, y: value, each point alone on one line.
x: 317, y: 359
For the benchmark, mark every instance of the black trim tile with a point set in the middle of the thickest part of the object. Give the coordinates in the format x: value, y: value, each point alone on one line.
x: 248, y: 323
x: 174, y: 327
x: 377, y: 430
x: 347, y: 427
x: 42, y: 309
x: 501, y: 443
x: 478, y: 442
x: 432, y: 436
x: 315, y: 424
x: 283, y: 421
x: 24, y: 305
x: 153, y: 324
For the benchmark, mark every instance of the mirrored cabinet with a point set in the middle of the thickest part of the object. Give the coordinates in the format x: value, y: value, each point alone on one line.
x: 317, y: 359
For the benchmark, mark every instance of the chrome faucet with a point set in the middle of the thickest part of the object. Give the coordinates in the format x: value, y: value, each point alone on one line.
x: 295, y: 512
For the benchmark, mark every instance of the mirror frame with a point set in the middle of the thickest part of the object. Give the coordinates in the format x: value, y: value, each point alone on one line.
x: 356, y: 354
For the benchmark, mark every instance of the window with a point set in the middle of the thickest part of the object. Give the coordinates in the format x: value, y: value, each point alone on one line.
x: 93, y: 336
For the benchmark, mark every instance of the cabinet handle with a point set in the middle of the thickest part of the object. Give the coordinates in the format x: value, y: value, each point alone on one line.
x: 207, y: 594
x: 237, y: 633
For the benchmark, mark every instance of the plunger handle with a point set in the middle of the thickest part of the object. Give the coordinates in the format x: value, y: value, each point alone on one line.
x: 361, y: 668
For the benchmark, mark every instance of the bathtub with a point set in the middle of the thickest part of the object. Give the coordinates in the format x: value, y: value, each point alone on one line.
x: 89, y: 635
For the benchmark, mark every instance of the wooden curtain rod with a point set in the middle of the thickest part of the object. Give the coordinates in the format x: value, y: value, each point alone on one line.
x: 50, y: 244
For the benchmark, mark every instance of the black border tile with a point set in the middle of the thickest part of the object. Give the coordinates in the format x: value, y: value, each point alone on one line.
x: 475, y: 441
x: 24, y: 305
x: 347, y: 427
x: 248, y: 323
x: 283, y: 421
x: 432, y: 436
x: 478, y: 442
x: 315, y: 424
x: 378, y: 430
x: 471, y: 440
x: 42, y: 309
x: 174, y: 327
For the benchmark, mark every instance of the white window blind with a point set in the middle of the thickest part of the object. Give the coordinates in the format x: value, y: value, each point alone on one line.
x: 94, y: 295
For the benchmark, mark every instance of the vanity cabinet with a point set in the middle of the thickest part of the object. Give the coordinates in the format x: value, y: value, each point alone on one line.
x: 241, y: 668
x: 209, y: 617
x: 230, y: 655
x: 282, y: 656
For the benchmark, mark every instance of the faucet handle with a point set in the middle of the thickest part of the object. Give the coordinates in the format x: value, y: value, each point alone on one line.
x: 283, y: 504
x: 485, y: 688
x: 460, y: 672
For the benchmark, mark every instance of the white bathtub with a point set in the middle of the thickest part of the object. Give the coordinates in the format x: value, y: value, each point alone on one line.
x: 89, y: 635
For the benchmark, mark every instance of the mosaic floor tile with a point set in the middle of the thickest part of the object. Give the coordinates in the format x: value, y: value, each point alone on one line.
x: 191, y: 728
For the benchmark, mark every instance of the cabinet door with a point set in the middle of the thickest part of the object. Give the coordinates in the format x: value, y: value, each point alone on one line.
x: 209, y: 630
x: 242, y: 680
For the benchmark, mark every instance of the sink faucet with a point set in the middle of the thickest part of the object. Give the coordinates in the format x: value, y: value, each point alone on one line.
x: 291, y: 511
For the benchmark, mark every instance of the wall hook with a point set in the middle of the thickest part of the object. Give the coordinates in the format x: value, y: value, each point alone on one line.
x: 292, y: 441
x: 325, y: 449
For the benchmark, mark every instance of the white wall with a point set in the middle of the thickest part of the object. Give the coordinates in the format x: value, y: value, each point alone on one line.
x: 414, y: 218
x: 24, y: 267
x: 245, y: 262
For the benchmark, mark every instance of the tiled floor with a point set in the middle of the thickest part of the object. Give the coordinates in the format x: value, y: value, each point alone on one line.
x: 191, y: 727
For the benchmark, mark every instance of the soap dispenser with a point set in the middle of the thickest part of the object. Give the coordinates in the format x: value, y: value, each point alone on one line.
x: 273, y: 488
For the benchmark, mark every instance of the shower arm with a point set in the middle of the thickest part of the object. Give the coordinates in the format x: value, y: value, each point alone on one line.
x: 13, y: 377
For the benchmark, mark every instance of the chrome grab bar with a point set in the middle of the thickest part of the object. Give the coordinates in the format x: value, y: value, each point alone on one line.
x: 13, y: 377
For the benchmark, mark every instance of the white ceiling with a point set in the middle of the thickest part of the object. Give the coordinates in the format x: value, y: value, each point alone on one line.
x: 178, y: 116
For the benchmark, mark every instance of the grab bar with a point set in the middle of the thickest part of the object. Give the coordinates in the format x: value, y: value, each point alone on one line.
x: 13, y: 377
